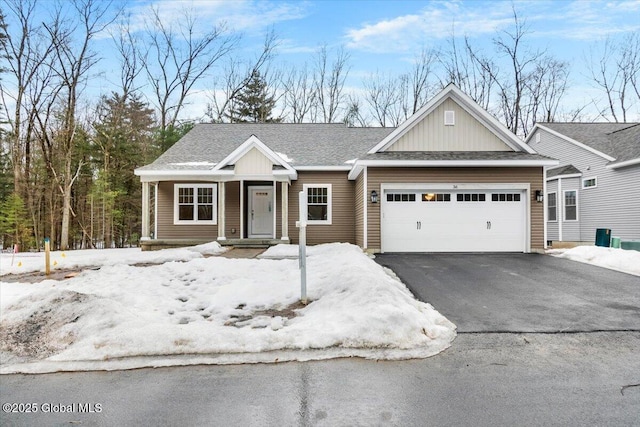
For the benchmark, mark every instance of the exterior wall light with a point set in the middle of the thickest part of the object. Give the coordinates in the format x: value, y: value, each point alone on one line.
x: 539, y: 196
x: 374, y: 196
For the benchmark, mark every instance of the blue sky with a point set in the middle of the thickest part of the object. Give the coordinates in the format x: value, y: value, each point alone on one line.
x: 386, y: 35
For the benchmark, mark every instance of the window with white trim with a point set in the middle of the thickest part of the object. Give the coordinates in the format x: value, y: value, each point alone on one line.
x: 552, y: 207
x: 591, y: 182
x: 195, y: 204
x: 571, y: 205
x: 318, y: 203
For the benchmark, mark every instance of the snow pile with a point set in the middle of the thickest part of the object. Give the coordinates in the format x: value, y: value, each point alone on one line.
x: 283, y: 251
x: 26, y: 262
x: 626, y: 261
x: 217, y: 310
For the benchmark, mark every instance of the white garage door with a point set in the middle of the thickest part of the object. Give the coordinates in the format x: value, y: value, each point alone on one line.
x: 454, y: 221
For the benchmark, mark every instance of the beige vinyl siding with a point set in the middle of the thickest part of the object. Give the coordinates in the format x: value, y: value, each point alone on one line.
x: 467, y: 134
x: 253, y: 163
x: 531, y: 175
x: 359, y: 206
x: 166, y: 228
x: 232, y: 209
x: 342, y: 228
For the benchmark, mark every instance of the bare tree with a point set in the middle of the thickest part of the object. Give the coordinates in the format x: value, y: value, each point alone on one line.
x: 74, y: 60
x: 616, y: 72
x: 28, y: 56
x: 299, y: 94
x: 382, y: 95
x: 470, y: 70
x: 328, y: 82
x: 130, y: 58
x: 512, y: 86
x: 177, y: 58
x: 355, y: 116
x: 546, y: 86
x: 418, y: 79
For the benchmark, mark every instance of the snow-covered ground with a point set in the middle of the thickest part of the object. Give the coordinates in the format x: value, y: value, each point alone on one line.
x: 26, y: 262
x: 211, y: 310
x: 623, y: 260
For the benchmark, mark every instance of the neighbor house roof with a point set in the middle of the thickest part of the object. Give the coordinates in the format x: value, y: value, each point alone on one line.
x: 563, y: 170
x: 618, y: 142
x: 300, y: 145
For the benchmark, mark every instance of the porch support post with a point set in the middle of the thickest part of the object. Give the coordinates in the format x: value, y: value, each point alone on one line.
x: 284, y: 196
x: 221, y: 212
x: 145, y: 211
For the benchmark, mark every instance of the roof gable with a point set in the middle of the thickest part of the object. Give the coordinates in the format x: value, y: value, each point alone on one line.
x: 254, y: 152
x: 426, y: 131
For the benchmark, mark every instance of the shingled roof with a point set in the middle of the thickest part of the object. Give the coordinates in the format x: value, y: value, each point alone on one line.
x: 618, y: 140
x: 304, y: 144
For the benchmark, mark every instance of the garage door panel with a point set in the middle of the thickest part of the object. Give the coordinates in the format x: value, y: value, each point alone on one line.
x: 493, y: 221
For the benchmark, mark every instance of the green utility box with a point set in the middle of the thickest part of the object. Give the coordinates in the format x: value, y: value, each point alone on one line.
x: 631, y: 245
x: 603, y: 237
x: 615, y: 242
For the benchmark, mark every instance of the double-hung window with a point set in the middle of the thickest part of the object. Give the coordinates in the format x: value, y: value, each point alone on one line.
x: 195, y: 204
x: 552, y: 207
x: 318, y: 203
x: 570, y: 205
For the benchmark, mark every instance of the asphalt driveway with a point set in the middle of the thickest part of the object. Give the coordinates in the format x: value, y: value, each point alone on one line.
x: 520, y: 292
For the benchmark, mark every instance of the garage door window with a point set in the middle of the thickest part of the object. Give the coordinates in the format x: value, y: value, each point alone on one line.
x: 471, y: 197
x: 505, y: 197
x: 436, y: 197
x: 401, y: 197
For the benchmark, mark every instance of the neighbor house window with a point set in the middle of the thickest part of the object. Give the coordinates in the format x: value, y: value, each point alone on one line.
x: 590, y: 182
x: 195, y: 204
x: 552, y: 207
x: 570, y: 205
x: 318, y: 203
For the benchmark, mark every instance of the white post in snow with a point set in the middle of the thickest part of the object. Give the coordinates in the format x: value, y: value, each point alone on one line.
x: 302, y: 245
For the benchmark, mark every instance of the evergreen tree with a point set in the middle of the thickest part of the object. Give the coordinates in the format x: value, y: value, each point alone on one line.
x: 123, y: 141
x: 14, y: 223
x: 254, y: 104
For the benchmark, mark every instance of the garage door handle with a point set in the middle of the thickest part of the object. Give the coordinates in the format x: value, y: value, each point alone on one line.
x: 418, y: 225
x: 488, y: 225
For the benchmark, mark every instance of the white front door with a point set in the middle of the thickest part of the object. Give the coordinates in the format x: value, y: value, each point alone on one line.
x: 261, y: 205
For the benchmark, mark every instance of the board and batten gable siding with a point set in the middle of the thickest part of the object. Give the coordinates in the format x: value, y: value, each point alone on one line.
x: 254, y: 163
x: 467, y: 134
x: 531, y: 175
x: 166, y: 227
x: 613, y: 204
x: 342, y: 228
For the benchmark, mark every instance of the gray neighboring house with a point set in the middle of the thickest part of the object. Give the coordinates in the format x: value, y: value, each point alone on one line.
x: 596, y: 185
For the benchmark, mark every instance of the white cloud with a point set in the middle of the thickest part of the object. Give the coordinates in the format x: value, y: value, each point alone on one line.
x: 576, y: 20
x: 237, y: 15
x: 438, y: 21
